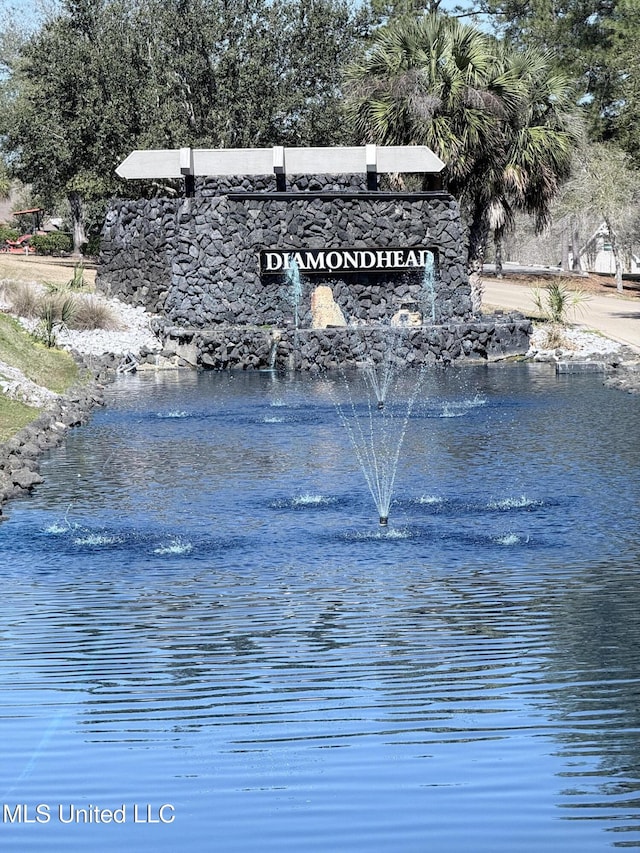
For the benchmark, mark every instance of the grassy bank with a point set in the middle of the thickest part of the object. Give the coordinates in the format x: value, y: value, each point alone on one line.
x: 49, y: 368
x: 14, y: 416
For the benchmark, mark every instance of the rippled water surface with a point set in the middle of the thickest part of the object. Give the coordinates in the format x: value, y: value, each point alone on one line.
x: 200, y: 610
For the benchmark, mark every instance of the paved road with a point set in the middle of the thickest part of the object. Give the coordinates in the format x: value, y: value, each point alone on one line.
x: 617, y: 317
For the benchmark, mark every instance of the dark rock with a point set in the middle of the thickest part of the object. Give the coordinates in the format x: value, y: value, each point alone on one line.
x: 179, y: 255
x: 26, y: 479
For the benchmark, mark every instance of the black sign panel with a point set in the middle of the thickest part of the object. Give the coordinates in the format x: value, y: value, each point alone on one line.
x: 306, y: 261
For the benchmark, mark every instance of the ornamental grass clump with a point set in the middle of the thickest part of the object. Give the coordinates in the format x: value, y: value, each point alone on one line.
x: 93, y: 313
x: 57, y: 308
x: 24, y: 299
x: 76, y: 282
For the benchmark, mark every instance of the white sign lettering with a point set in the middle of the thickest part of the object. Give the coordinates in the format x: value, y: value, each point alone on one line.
x: 273, y: 261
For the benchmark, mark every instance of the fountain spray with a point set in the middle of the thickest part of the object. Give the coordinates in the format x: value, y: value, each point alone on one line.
x: 294, y: 280
x: 428, y: 284
x: 377, y: 435
x: 380, y: 377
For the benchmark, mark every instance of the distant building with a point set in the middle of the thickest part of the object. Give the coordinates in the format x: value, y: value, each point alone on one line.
x: 597, y: 255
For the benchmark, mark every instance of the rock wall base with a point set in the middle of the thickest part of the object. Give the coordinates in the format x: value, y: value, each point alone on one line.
x: 316, y: 350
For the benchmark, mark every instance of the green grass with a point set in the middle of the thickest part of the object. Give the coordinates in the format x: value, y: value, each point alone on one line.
x: 53, y: 369
x: 14, y: 416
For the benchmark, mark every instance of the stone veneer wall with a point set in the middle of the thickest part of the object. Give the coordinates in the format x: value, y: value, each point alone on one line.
x: 247, y: 348
x: 196, y: 260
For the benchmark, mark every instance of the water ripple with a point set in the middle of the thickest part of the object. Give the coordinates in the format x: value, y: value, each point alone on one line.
x: 220, y: 623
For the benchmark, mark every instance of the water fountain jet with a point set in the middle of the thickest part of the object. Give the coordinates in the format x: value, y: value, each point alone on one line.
x: 294, y: 281
x: 377, y: 436
x: 428, y: 287
x: 381, y: 377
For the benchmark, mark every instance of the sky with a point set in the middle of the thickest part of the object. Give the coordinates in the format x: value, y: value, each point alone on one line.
x: 26, y: 13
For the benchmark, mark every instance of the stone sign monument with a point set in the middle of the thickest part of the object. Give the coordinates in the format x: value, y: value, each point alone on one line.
x: 263, y: 237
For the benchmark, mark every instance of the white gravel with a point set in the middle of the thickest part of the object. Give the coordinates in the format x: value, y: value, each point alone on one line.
x: 134, y: 334
x: 578, y: 344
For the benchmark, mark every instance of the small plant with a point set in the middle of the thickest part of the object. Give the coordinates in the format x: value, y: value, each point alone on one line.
x: 76, y: 282
x: 54, y: 315
x: 555, y: 302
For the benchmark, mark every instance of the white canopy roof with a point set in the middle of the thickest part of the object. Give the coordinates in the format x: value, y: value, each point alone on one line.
x: 210, y: 162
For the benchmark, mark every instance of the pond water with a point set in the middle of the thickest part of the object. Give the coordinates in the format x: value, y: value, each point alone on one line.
x: 200, y: 611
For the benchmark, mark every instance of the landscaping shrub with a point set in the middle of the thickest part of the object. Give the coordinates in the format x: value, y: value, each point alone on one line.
x: 555, y: 301
x: 55, y: 243
x: 76, y: 282
x: 92, y: 246
x: 55, y: 313
x: 7, y: 233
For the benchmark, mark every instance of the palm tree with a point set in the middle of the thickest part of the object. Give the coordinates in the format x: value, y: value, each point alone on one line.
x: 501, y: 121
x: 427, y: 81
x: 538, y: 140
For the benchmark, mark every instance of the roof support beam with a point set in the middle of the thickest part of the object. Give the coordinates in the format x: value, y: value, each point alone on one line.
x: 372, y: 167
x: 279, y: 168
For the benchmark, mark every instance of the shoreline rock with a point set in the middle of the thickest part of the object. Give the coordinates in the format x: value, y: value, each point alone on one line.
x: 20, y: 456
x: 586, y: 351
x: 99, y: 355
x: 625, y: 377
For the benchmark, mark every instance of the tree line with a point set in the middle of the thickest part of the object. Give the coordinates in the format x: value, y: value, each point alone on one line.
x: 524, y: 100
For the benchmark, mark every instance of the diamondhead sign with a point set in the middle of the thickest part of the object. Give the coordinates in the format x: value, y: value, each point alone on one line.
x: 274, y: 262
